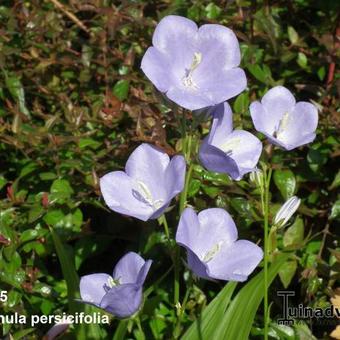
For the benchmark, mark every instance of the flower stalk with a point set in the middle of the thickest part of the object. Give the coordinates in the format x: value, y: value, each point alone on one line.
x: 264, y: 188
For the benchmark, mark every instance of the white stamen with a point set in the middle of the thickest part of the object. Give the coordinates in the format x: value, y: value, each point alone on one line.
x: 187, y: 80
x: 111, y: 282
x: 231, y: 144
x: 283, y: 124
x: 146, y: 194
x: 212, y: 252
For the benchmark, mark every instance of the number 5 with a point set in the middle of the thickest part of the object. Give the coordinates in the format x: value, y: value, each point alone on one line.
x: 3, y: 296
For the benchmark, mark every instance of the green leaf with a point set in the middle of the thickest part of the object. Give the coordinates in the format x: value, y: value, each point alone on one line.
x: 335, y: 212
x: 257, y: 72
x: 205, y: 326
x: 321, y: 73
x: 285, y: 182
x: 287, y: 272
x: 3, y: 182
x: 242, y: 103
x: 69, y: 272
x: 212, y: 11
x: 335, y: 183
x: 293, y: 237
x: 236, y: 323
x: 302, y: 60
x: 89, y: 142
x: 120, y: 330
x: 27, y: 169
x: 194, y: 187
x: 47, y: 176
x: 17, y: 92
x: 22, y: 333
x: 292, y: 34
x: 54, y: 217
x: 121, y: 89
x: 61, y: 190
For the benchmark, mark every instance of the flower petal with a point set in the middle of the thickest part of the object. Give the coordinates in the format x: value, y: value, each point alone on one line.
x: 278, y: 100
x: 120, y: 194
x: 128, y: 267
x: 175, y: 176
x: 244, y: 148
x: 196, y: 265
x: 188, y: 228
x: 267, y: 115
x: 203, y: 232
x: 222, y: 124
x: 176, y: 37
x: 216, y: 160
x: 147, y: 165
x: 219, y: 85
x: 301, y: 125
x: 219, y: 47
x: 143, y: 272
x: 189, y: 99
x: 123, y: 300
x: 235, y: 262
x: 156, y: 66
x: 92, y: 287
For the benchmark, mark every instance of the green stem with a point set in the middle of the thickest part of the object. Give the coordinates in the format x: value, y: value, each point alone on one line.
x: 184, y: 194
x: 182, y: 202
x: 140, y: 328
x: 265, y: 210
x: 164, y: 222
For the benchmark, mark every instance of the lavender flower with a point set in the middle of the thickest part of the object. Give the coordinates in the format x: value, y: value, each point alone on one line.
x: 287, y: 211
x: 210, y: 239
x: 224, y: 150
x: 57, y: 329
x: 148, y: 184
x: 195, y: 67
x: 286, y: 123
x: 121, y: 294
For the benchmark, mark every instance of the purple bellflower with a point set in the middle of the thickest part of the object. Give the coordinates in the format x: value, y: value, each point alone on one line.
x: 120, y: 294
x: 195, y: 67
x: 210, y: 239
x: 224, y: 150
x: 286, y: 123
x: 147, y: 186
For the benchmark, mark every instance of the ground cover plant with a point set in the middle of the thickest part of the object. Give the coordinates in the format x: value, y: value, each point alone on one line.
x: 162, y: 163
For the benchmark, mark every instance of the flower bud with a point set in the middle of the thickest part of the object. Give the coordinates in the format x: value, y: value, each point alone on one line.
x: 256, y: 177
x: 287, y: 211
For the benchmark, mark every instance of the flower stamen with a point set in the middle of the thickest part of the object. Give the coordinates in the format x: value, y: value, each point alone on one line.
x: 187, y: 80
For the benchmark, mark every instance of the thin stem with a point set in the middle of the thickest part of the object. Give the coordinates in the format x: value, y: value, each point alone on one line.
x: 184, y: 194
x: 182, y: 202
x: 177, y: 330
x: 265, y: 210
x: 140, y: 327
x: 164, y: 222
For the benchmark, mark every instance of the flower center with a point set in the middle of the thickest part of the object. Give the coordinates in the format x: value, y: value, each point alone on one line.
x: 144, y: 195
x: 229, y: 145
x: 111, y: 282
x: 212, y: 252
x: 282, y: 125
x: 187, y: 79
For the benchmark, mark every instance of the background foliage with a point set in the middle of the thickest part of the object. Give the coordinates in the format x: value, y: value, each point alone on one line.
x: 73, y: 105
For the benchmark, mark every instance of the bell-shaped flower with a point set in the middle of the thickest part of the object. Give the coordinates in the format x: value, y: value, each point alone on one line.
x: 147, y: 186
x: 194, y: 67
x: 286, y: 123
x: 213, y: 250
x: 120, y: 294
x: 224, y: 150
x: 287, y: 211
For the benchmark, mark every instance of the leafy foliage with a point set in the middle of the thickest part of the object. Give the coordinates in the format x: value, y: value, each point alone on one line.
x: 74, y: 103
